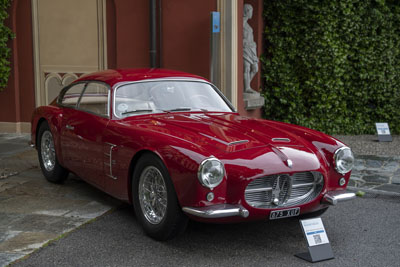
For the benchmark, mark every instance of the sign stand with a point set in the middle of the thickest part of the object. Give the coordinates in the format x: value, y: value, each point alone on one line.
x: 319, y: 248
x: 383, y: 131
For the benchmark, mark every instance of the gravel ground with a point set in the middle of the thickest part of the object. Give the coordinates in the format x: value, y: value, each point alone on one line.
x: 369, y: 145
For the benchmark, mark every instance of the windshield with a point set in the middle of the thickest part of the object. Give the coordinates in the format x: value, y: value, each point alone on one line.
x: 167, y: 96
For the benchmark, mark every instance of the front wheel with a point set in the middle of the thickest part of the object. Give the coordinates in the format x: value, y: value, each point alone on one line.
x: 51, y: 169
x: 154, y: 199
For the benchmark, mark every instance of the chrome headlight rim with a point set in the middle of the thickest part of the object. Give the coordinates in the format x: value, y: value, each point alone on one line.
x: 336, y: 159
x: 200, y: 172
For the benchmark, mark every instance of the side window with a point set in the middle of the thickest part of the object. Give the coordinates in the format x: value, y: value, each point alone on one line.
x: 95, y: 99
x: 71, y: 96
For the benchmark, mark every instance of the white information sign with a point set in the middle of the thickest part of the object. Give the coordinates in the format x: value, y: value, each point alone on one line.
x: 382, y: 128
x: 314, y: 231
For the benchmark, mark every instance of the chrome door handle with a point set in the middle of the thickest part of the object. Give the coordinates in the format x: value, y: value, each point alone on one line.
x: 69, y: 127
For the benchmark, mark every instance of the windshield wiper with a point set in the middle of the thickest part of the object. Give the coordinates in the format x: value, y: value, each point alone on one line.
x: 136, y: 111
x: 178, y: 109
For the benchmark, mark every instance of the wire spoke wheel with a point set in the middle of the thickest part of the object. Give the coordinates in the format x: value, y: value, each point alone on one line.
x: 47, y: 151
x: 153, y: 195
x: 48, y: 161
x: 155, y: 200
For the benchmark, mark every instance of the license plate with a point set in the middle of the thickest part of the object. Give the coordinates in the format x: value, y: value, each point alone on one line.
x: 279, y: 214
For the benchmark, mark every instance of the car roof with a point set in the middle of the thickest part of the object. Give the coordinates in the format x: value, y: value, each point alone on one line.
x: 113, y: 77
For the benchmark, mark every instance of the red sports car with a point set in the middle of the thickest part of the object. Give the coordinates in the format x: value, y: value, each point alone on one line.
x: 172, y: 145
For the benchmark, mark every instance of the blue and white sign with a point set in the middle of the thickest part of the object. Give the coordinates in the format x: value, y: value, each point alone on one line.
x: 215, y: 22
x: 314, y: 231
x: 319, y: 248
x: 383, y: 131
x: 382, y: 128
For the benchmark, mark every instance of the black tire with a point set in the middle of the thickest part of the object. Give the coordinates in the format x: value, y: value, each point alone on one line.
x: 173, y: 222
x: 313, y: 214
x: 51, y: 169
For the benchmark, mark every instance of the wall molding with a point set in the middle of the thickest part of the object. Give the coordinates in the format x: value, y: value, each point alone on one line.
x: 15, y: 127
x: 39, y: 97
x: 229, y: 47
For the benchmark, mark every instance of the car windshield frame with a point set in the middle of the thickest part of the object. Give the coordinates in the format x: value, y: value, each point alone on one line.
x: 161, y: 111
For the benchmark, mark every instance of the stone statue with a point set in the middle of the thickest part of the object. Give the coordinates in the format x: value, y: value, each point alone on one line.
x: 250, y: 58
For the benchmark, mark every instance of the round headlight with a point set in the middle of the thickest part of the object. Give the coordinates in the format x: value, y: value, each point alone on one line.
x: 344, y: 160
x: 211, y: 172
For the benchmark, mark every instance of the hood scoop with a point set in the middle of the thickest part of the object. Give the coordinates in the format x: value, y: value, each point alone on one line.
x: 238, y: 142
x: 223, y: 142
x: 278, y: 139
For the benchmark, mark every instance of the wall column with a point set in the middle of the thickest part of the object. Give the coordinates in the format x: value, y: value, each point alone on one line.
x: 229, y: 47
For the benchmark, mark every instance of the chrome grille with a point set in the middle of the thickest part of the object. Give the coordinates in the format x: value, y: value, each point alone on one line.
x: 296, y: 189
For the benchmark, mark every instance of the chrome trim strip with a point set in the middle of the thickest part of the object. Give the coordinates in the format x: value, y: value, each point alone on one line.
x: 161, y: 79
x: 69, y: 127
x: 262, y: 189
x: 280, y: 139
x: 289, y: 163
x: 217, y: 211
x: 302, y: 185
x: 223, y: 142
x: 112, y: 177
x: 270, y: 188
x: 238, y: 142
x: 111, y: 161
x: 214, y: 138
x: 333, y: 197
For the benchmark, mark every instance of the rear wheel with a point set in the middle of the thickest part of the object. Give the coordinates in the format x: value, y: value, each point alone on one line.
x: 154, y: 199
x: 51, y: 169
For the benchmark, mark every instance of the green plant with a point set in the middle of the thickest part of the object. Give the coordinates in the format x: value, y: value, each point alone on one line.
x: 5, y: 52
x: 333, y: 65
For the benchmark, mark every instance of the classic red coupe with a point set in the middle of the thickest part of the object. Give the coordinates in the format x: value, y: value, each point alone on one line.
x: 172, y: 145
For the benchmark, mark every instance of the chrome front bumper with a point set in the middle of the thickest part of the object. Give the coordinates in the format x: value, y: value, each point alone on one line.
x: 217, y: 211
x: 228, y: 210
x: 333, y: 197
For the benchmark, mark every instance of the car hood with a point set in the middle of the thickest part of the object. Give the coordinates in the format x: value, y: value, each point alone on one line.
x: 234, y: 138
x: 232, y: 133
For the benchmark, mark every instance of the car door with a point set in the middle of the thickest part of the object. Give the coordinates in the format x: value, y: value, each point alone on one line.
x: 69, y: 142
x: 85, y: 126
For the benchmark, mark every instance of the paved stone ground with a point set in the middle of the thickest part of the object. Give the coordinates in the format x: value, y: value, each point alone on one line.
x: 377, y: 165
x: 34, y: 211
x: 15, y: 154
x: 373, y: 172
